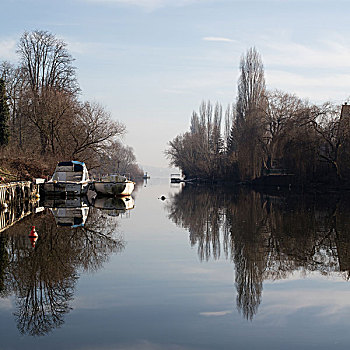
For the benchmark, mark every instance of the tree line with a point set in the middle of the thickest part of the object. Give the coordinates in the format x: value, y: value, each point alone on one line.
x: 264, y: 132
x: 42, y: 116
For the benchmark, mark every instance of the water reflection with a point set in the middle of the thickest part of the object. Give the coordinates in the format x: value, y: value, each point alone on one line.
x: 71, y: 212
x: 266, y: 236
x: 73, y: 238
x: 114, y: 206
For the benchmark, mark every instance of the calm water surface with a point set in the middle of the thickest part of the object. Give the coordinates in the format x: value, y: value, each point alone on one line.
x: 203, y: 269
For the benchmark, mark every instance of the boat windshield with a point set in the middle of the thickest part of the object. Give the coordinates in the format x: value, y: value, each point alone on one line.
x: 70, y: 176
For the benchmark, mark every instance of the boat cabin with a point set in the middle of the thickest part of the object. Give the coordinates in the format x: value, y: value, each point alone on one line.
x: 72, y: 171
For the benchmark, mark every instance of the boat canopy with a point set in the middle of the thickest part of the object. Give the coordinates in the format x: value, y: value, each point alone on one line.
x: 73, y: 164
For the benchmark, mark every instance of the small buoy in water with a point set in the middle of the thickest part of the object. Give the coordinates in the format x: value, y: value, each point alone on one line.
x: 163, y: 198
x: 33, y: 236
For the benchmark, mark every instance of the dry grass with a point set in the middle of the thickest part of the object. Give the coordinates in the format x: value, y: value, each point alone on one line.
x: 20, y: 168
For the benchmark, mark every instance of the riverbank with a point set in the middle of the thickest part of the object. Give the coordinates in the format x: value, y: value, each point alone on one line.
x: 277, y: 183
x: 22, y: 169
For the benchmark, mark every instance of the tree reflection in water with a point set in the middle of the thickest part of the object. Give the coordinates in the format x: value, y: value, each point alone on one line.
x: 266, y: 236
x: 43, y: 279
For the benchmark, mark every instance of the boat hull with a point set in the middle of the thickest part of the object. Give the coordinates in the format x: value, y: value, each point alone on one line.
x: 114, y: 188
x: 69, y: 188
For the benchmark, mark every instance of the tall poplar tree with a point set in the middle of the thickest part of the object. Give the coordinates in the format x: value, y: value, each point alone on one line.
x: 4, y: 115
x: 247, y: 129
x: 251, y: 85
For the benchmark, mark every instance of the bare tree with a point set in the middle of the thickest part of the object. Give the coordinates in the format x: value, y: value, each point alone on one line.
x: 119, y: 158
x: 230, y: 113
x: 281, y: 117
x: 47, y: 63
x: 15, y: 87
x: 251, y: 84
x: 46, y: 114
x: 331, y: 125
x: 199, y: 152
x: 246, y: 129
x: 92, y: 130
x: 47, y: 70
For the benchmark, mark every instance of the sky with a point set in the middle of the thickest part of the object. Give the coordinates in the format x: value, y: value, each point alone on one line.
x: 151, y: 62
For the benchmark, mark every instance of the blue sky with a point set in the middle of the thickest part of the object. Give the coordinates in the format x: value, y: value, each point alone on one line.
x: 151, y: 62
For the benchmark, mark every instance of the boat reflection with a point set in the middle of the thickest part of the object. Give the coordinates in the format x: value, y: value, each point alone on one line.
x: 73, y: 237
x: 71, y: 212
x: 114, y: 206
x: 74, y: 211
x: 268, y: 237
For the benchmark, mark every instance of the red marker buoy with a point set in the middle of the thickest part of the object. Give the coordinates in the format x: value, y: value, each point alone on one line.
x: 33, y: 236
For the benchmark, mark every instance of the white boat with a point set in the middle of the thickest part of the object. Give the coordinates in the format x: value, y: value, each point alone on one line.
x: 71, y: 178
x: 114, y: 185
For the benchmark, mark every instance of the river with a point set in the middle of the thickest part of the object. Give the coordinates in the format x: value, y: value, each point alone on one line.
x: 205, y: 268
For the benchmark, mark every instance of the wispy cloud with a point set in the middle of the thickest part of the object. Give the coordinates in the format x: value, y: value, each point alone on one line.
x: 216, y: 313
x: 330, y: 86
x: 330, y: 51
x: 297, y: 55
x: 149, y: 4
x: 81, y: 47
x: 220, y: 39
x: 140, y: 345
x: 6, y: 304
x: 318, y: 69
x: 7, y: 49
x: 93, y: 48
x: 163, y: 3
x: 330, y: 304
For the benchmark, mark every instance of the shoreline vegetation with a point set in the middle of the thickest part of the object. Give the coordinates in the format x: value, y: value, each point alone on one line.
x: 43, y: 121
x: 267, y: 138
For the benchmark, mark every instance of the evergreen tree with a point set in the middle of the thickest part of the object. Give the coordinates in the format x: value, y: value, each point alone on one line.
x: 4, y: 115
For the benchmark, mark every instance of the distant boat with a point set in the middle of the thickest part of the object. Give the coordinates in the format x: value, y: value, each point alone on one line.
x: 71, y: 178
x: 175, y: 178
x: 114, y: 185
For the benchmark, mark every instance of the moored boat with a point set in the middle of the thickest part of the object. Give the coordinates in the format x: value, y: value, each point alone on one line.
x: 114, y: 185
x: 70, y: 178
